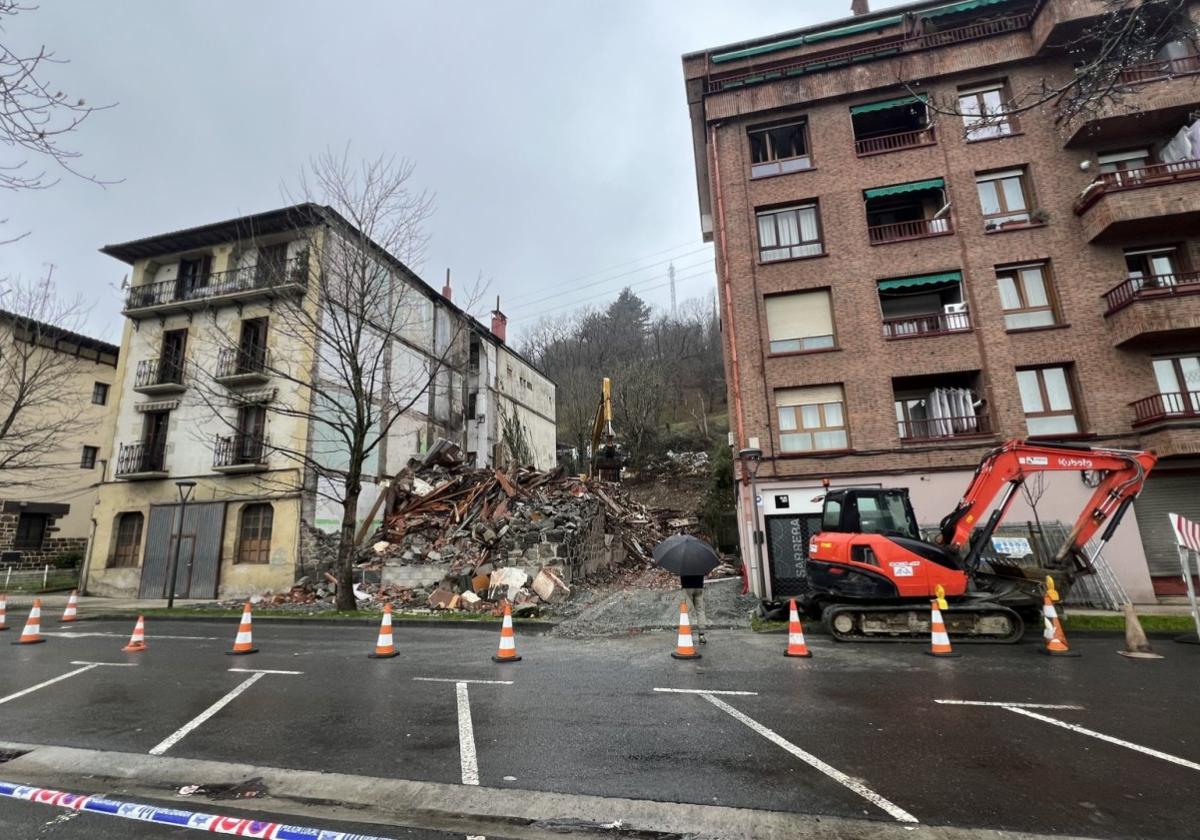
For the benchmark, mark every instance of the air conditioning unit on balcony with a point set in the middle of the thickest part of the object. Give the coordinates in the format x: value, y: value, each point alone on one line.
x: 954, y: 308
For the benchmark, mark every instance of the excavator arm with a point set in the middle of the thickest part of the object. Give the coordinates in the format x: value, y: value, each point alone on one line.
x: 1003, y: 471
x: 606, y: 461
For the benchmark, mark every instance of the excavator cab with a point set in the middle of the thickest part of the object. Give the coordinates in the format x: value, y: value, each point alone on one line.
x: 870, y: 510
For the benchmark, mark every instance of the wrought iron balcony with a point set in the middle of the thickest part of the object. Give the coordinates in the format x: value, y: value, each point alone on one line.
x: 916, y: 229
x: 1170, y: 406
x: 240, y: 453
x: 142, y: 460
x: 159, y: 376
x: 1134, y: 179
x: 240, y: 366
x: 1151, y: 287
x: 215, y: 287
x: 920, y: 326
x: 1166, y: 68
x: 945, y: 428
x: 894, y: 142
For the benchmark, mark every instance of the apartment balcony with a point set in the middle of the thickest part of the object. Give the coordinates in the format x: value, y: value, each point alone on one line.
x: 904, y: 231
x: 141, y: 461
x: 253, y: 282
x: 1155, y: 98
x: 240, y: 453
x: 925, y: 326
x: 944, y: 428
x: 1154, y: 308
x: 237, y: 367
x: 895, y: 142
x: 1160, y: 200
x: 1161, y: 408
x: 159, y: 376
x: 1060, y: 22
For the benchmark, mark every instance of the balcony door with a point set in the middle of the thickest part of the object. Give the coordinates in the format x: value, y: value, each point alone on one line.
x: 1152, y: 268
x: 194, y: 275
x: 252, y: 345
x: 170, y: 360
x: 1178, y: 380
x: 252, y: 425
x: 154, y: 438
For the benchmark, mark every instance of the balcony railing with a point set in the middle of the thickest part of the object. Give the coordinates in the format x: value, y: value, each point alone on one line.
x: 233, y: 362
x: 240, y: 450
x: 883, y: 49
x: 916, y: 229
x: 919, y: 326
x: 1161, y: 69
x: 944, y: 428
x: 145, y: 457
x: 1150, y: 287
x: 293, y: 272
x: 1166, y: 407
x: 151, y: 372
x: 1133, y: 179
x: 894, y: 142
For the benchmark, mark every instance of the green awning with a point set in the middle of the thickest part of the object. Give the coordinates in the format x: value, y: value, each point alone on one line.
x: 920, y: 280
x: 788, y: 43
x: 912, y: 186
x: 887, y: 103
x: 964, y: 6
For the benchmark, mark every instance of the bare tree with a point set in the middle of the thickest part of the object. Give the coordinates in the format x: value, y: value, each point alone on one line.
x: 1121, y: 49
x: 36, y: 357
x: 366, y: 346
x: 35, y: 117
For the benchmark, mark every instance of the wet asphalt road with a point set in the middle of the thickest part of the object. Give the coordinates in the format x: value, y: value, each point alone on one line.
x: 582, y: 716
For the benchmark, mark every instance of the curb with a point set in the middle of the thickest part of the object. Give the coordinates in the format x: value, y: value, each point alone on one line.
x: 531, y: 627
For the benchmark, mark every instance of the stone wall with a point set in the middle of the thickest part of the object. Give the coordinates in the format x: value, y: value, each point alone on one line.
x: 51, y: 549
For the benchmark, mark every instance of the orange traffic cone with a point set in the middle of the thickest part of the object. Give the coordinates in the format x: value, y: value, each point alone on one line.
x: 32, y: 634
x: 1054, y: 639
x: 384, y: 649
x: 939, y: 639
x: 508, y: 641
x: 795, y: 646
x: 137, y: 642
x: 242, y: 645
x: 3, y: 607
x: 72, y: 610
x: 684, y: 647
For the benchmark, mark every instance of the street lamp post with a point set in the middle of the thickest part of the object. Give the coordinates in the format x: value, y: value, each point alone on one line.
x: 751, y: 458
x: 185, y: 492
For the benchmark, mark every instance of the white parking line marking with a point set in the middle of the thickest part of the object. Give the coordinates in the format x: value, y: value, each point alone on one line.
x: 812, y: 761
x: 264, y: 671
x: 59, y: 678
x: 75, y: 634
x: 1174, y: 759
x: 456, y: 682
x: 466, y: 737
x: 105, y: 664
x: 707, y: 691
x: 1007, y: 705
x: 180, y: 733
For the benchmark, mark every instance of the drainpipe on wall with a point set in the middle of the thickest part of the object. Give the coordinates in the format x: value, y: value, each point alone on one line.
x: 86, y: 563
x: 734, y: 366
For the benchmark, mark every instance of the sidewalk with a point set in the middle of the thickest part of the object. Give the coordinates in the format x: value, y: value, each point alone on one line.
x: 93, y: 604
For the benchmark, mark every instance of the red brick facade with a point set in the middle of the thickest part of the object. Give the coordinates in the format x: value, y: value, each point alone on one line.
x: 1110, y: 355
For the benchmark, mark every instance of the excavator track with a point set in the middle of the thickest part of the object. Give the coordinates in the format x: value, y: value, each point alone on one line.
x: 965, y: 623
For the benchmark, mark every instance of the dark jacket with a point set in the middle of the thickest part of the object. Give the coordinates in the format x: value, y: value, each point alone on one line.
x: 691, y: 581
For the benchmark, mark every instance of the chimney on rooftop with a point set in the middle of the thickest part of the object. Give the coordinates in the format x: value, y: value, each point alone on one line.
x: 446, y: 291
x: 860, y: 7
x: 499, y: 322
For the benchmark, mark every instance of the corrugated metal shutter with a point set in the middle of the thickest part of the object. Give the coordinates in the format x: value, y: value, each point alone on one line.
x: 1165, y: 493
x: 158, y: 551
x: 209, y: 527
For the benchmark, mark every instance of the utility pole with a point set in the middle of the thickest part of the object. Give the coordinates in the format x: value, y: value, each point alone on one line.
x: 671, y: 274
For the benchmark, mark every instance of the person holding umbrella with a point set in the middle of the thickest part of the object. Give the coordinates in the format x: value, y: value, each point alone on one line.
x: 691, y: 559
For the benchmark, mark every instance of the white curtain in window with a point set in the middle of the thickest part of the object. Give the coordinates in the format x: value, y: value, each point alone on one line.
x: 789, y: 233
x: 766, y: 231
x: 808, y: 224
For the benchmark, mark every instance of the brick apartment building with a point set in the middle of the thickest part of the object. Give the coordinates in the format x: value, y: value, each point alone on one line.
x: 901, y: 289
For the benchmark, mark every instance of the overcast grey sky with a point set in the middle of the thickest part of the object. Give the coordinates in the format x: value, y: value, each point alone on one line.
x: 555, y: 134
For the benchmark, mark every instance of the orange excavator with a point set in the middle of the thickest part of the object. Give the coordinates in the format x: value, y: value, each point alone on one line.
x: 871, y: 574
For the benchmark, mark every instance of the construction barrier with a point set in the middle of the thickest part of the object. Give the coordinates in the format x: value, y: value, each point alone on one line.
x: 1187, y: 538
x: 939, y: 639
x: 1054, y: 639
x: 384, y: 649
x: 137, y: 642
x: 71, y: 613
x: 685, y: 648
x: 32, y: 634
x: 508, y: 639
x: 795, y: 646
x: 243, y: 644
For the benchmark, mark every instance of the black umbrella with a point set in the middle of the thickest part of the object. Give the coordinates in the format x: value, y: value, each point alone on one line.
x: 685, y: 555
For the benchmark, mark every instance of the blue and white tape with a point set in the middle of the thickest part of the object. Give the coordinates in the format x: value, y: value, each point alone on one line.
x: 237, y: 826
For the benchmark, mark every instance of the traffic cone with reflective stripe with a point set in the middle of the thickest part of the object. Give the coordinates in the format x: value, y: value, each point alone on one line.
x: 508, y: 640
x: 3, y: 608
x: 1054, y: 639
x: 72, y: 610
x: 137, y: 642
x: 939, y: 639
x: 796, y: 645
x: 685, y: 648
x: 384, y: 649
x: 32, y: 634
x: 243, y: 645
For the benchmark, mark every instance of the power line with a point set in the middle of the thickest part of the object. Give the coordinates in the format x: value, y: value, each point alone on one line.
x: 569, y: 287
x: 543, y: 298
x: 641, y: 288
x: 625, y: 263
